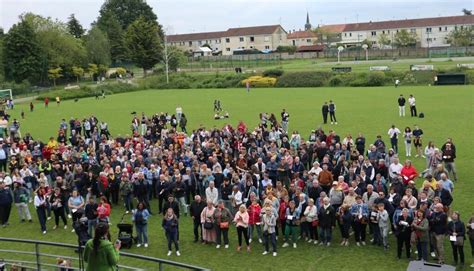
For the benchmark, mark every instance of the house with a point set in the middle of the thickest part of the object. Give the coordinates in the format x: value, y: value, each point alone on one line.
x: 429, y: 32
x: 192, y: 42
x: 302, y: 38
x: 267, y: 37
x: 202, y: 51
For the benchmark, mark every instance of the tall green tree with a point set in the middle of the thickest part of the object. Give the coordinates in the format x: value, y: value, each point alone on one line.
x: 384, y: 40
x: 78, y: 72
x: 125, y: 11
x: 461, y: 37
x: 22, y: 53
x: 143, y: 43
x: 115, y: 33
x: 176, y: 58
x: 54, y: 74
x: 405, y: 39
x: 97, y: 47
x: 74, y: 27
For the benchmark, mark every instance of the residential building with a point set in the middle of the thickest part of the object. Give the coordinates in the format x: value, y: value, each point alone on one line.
x: 194, y: 41
x: 302, y: 38
x: 429, y: 32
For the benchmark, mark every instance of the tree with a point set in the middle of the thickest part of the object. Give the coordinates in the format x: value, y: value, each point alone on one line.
x: 93, y: 70
x: 54, y: 74
x: 176, y: 58
x: 143, y: 43
x: 121, y: 71
x: 384, y: 40
x: 466, y: 11
x: 326, y: 36
x: 125, y: 11
x: 461, y: 37
x: 366, y: 42
x: 74, y: 27
x: 22, y: 53
x: 405, y: 39
x: 78, y: 72
x: 97, y: 47
x: 115, y: 33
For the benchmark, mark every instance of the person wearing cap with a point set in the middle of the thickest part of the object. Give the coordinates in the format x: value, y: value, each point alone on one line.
x: 360, y: 214
x: 456, y: 232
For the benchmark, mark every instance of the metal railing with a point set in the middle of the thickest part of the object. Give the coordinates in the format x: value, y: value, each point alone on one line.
x: 76, y: 261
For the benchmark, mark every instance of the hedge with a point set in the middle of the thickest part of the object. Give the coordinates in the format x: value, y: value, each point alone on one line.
x: 303, y: 79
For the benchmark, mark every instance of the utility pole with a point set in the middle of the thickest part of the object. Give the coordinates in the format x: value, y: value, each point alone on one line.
x: 166, y: 61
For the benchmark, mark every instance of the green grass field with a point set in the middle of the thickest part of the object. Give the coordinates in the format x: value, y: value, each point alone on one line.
x: 448, y: 110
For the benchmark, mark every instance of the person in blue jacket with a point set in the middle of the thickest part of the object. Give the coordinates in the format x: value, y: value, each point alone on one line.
x: 6, y: 200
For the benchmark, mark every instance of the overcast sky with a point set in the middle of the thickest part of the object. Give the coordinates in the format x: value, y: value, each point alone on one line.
x: 180, y: 16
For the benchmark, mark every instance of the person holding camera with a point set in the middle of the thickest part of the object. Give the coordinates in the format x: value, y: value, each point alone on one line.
x: 403, y: 232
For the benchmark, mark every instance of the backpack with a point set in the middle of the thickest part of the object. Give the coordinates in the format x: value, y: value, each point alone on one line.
x: 421, y: 115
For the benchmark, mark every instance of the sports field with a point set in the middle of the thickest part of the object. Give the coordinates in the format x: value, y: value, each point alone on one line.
x: 449, y: 112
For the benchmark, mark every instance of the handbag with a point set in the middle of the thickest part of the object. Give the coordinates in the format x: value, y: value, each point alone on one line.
x: 315, y: 223
x: 459, y: 241
x: 224, y: 225
x: 208, y: 225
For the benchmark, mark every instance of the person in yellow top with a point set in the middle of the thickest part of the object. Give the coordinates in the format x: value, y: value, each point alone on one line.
x: 58, y: 100
x: 52, y: 143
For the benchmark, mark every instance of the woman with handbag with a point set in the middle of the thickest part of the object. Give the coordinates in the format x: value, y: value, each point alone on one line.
x: 421, y: 227
x: 312, y: 222
x: 456, y: 232
x: 207, y: 221
x: 292, y: 223
x: 241, y: 220
x: 222, y: 218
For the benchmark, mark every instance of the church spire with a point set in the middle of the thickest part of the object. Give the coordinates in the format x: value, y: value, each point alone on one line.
x: 307, y: 26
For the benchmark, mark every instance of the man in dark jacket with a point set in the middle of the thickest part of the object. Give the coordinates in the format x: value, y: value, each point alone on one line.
x: 314, y: 191
x: 141, y: 192
x: 327, y: 221
x: 443, y: 194
x: 325, y: 111
x: 162, y: 190
x: 6, y: 200
x: 196, y: 209
x: 438, y: 226
x: 173, y: 204
x: 401, y: 105
x: 332, y: 112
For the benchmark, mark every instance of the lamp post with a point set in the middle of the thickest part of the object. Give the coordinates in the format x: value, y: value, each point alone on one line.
x: 366, y: 48
x: 339, y: 50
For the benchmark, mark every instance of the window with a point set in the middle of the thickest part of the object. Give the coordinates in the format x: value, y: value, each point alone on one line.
x: 267, y: 38
x: 440, y: 29
x: 413, y: 30
x: 227, y: 40
x: 227, y: 49
x: 429, y: 40
x: 428, y: 30
x: 252, y: 39
x: 350, y: 34
x: 455, y: 27
x: 374, y: 42
x: 251, y: 47
x: 345, y: 34
x: 267, y: 47
x: 445, y: 28
x: 388, y: 31
x: 190, y: 43
x: 374, y: 33
x: 308, y: 40
x: 241, y: 39
x: 294, y: 42
x: 200, y: 42
x: 383, y: 31
x: 462, y: 27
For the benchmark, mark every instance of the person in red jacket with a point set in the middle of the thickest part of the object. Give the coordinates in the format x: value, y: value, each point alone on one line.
x: 46, y: 102
x: 408, y: 172
x: 103, y: 210
x: 254, y: 210
x: 282, y: 213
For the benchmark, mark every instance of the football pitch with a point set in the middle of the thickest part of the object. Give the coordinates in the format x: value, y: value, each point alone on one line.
x: 448, y: 110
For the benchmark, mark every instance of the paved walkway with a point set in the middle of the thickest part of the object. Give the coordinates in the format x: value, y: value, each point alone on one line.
x: 24, y: 99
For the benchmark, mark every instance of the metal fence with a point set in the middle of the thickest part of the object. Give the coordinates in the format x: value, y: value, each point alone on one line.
x: 35, y: 259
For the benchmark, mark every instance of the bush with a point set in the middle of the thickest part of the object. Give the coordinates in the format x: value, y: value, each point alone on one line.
x: 260, y: 81
x: 87, y: 91
x: 303, y: 79
x: 470, y: 76
x: 376, y: 79
x: 273, y: 73
x: 335, y: 81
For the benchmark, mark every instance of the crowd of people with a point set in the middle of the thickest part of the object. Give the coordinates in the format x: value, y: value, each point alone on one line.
x: 274, y: 187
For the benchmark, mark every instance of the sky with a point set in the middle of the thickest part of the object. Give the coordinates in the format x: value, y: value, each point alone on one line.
x: 191, y: 16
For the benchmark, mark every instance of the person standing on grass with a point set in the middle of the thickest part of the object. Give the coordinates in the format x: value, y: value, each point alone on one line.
x: 393, y: 132
x: 421, y: 227
x: 325, y: 112
x: 247, y: 86
x: 401, y: 105
x: 470, y: 232
x: 58, y: 204
x: 360, y: 213
x: 332, y: 112
x: 269, y: 221
x: 41, y: 205
x: 403, y: 231
x: 196, y: 208
x: 91, y: 214
x: 222, y: 218
x: 170, y: 224
x: 32, y: 107
x: 327, y: 222
x: 384, y: 224
x: 412, y: 103
x: 292, y: 220
x: 140, y: 218
x: 46, y: 102
x: 207, y: 221
x: 417, y: 134
x: 407, y: 135
x: 456, y: 233
x: 21, y: 198
x: 438, y: 226
x: 241, y: 220
x: 99, y: 253
x: 58, y: 100
x: 6, y: 200
x: 449, y: 154
x: 285, y: 118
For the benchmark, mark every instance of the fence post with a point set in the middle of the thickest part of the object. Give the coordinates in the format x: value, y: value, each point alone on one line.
x: 38, y: 263
x: 160, y: 266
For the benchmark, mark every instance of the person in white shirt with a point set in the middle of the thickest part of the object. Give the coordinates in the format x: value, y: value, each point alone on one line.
x: 236, y: 198
x: 179, y: 113
x: 394, y: 169
x: 316, y: 169
x: 393, y: 132
x: 412, y: 103
x: 211, y: 193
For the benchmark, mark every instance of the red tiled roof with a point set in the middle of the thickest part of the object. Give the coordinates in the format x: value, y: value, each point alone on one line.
x: 196, y: 36
x: 310, y: 48
x: 301, y: 35
x: 253, y: 30
x: 335, y: 28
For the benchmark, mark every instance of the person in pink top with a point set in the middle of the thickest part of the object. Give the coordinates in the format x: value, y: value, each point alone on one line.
x: 241, y: 220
